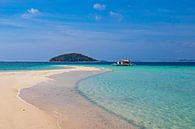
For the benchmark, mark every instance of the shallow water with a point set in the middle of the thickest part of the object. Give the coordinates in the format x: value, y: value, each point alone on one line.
x: 151, y: 97
x: 21, y: 66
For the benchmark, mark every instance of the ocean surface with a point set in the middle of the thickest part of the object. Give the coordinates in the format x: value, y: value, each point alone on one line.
x: 23, y: 66
x: 148, y: 95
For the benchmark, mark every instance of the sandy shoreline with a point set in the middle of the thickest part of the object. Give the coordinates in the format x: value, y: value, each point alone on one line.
x: 51, y: 94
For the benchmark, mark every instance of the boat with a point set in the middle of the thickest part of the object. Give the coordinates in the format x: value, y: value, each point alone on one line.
x: 123, y: 63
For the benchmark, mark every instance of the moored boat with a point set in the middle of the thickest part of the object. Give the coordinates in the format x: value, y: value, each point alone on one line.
x: 123, y: 63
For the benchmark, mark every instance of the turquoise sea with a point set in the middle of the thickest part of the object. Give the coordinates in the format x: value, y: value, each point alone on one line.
x: 149, y: 95
x: 23, y: 66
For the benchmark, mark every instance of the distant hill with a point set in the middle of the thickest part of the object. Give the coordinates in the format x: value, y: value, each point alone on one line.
x: 72, y: 57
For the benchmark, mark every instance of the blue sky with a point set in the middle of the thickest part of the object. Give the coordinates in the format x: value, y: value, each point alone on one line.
x: 146, y: 30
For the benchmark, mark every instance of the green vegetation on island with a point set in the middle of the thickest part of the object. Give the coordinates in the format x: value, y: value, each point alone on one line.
x: 72, y: 57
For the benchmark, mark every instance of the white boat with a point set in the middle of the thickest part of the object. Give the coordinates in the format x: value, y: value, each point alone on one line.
x: 123, y: 63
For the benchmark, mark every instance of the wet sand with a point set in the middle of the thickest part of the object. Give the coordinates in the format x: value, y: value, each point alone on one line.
x: 14, y: 112
x: 59, y: 98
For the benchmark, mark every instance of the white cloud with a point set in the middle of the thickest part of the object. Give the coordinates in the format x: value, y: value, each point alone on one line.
x: 116, y: 15
x: 98, y: 18
x: 30, y: 12
x: 99, y: 7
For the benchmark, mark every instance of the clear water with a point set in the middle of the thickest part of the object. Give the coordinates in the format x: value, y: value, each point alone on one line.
x: 151, y: 97
x: 21, y: 66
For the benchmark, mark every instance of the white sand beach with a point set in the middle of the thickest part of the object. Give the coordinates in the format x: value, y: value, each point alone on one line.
x: 17, y: 113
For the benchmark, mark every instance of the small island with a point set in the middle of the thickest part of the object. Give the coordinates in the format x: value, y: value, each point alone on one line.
x: 72, y: 57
